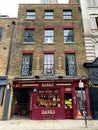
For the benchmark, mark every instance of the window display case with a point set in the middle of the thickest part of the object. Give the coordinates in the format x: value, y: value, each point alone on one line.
x: 68, y: 100
x: 48, y: 98
x: 68, y: 105
x: 46, y: 103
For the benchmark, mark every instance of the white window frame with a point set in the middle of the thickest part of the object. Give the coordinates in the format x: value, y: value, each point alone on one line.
x: 49, y: 36
x: 68, y: 35
x: 49, y: 14
x: 48, y: 64
x: 29, y: 35
x: 67, y: 14
x: 30, y: 14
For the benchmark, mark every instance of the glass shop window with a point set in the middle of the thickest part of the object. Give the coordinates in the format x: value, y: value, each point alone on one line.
x: 68, y: 101
x: 48, y: 98
x: 81, y: 101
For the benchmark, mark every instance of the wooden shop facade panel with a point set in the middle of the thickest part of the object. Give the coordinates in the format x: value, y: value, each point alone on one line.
x: 55, y: 99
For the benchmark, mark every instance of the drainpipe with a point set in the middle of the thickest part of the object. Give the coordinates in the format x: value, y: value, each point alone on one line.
x: 10, y: 47
x: 8, y: 90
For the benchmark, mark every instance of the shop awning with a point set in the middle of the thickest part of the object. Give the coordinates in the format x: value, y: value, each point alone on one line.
x: 3, y: 80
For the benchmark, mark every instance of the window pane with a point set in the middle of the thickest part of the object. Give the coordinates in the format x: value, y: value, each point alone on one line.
x: 67, y: 14
x: 68, y: 35
x: 29, y: 32
x: 30, y: 14
x: 49, y: 36
x: 68, y: 39
x: 48, y: 64
x: 49, y: 40
x: 29, y: 35
x: 70, y: 65
x: 26, y: 65
x: 49, y: 14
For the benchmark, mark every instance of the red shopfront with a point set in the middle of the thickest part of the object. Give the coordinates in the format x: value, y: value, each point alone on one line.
x: 55, y: 99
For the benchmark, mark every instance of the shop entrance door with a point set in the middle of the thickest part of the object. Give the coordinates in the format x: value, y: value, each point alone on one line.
x: 68, y: 105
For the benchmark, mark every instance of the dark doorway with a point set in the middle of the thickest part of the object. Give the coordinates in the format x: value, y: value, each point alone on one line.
x: 93, y: 93
x: 21, y: 99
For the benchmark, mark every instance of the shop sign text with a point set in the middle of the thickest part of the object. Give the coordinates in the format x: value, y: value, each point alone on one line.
x: 48, y: 112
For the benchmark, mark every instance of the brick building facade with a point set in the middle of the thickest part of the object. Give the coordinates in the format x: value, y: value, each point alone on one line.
x: 46, y: 63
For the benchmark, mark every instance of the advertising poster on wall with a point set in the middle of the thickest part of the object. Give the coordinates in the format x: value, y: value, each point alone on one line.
x: 80, y: 98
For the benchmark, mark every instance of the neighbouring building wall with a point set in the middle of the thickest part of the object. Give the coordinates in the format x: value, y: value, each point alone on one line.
x: 90, y: 22
x: 4, y: 44
x: 90, y: 15
x: 5, y: 40
x: 93, y: 13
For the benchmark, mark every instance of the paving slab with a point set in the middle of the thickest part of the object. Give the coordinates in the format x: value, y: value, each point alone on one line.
x: 26, y: 124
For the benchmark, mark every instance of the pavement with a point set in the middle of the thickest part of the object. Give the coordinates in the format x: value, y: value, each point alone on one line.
x: 27, y: 124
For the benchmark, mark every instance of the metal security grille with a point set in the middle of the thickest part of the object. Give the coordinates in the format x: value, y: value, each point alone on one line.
x: 70, y: 65
x: 26, y: 65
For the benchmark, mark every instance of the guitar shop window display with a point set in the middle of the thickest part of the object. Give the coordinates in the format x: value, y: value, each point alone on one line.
x: 48, y: 100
